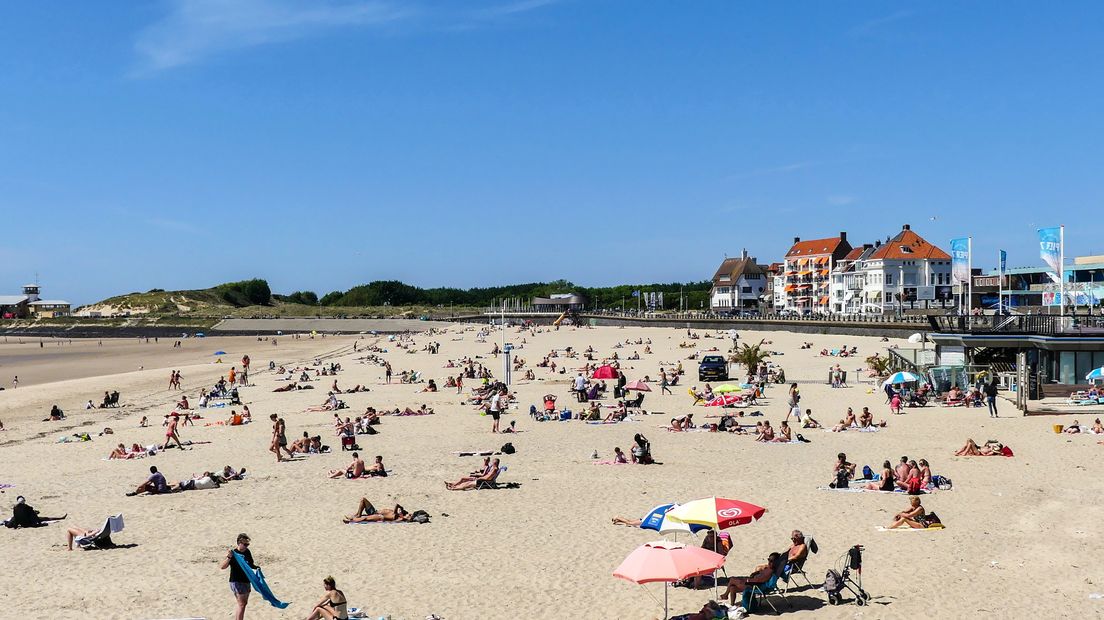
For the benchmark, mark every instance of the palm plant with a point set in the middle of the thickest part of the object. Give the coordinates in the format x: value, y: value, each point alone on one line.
x: 878, y: 365
x: 750, y: 355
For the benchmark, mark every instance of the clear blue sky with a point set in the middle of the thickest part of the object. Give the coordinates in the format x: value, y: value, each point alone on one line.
x: 182, y: 143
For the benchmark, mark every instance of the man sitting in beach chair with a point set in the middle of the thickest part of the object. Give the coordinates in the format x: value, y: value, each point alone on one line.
x: 796, y: 556
x: 487, y: 480
x: 95, y: 539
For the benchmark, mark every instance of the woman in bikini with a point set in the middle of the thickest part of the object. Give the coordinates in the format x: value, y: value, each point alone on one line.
x: 971, y: 449
x: 333, y: 605
x: 913, y: 517
x: 886, y: 483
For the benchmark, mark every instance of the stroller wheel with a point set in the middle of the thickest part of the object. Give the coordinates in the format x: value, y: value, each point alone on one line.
x: 860, y: 601
x: 863, y: 595
x: 833, y: 599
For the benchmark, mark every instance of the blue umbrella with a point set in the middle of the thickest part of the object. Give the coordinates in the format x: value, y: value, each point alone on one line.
x: 220, y: 352
x: 1097, y: 373
x: 902, y: 377
x: 657, y: 520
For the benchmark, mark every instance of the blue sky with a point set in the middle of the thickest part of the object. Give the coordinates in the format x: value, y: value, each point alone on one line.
x: 179, y: 144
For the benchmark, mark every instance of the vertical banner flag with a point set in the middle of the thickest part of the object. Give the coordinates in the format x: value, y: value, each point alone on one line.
x: 960, y: 259
x: 1003, y: 261
x: 1050, y: 249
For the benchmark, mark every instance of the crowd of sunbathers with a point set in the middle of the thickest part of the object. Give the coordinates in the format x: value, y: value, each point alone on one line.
x: 357, y: 469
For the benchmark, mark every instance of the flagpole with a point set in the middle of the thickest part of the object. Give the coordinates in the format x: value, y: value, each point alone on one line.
x: 1000, y: 281
x: 969, y: 275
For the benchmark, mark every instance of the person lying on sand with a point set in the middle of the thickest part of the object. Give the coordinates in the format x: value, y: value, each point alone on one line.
x: 627, y: 522
x: 120, y: 452
x: 156, y: 483
x: 354, y: 470
x: 913, y: 516
x: 1073, y: 429
x: 972, y: 449
x: 470, y: 482
x: 367, y: 513
x: 709, y: 611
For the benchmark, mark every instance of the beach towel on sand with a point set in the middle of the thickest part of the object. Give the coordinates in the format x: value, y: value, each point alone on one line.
x: 257, y: 580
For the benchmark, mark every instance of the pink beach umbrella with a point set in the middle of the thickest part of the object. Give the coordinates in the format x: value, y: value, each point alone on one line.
x: 638, y: 385
x: 667, y: 561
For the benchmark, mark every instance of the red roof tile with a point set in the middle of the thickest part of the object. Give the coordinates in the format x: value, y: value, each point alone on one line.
x: 814, y: 247
x: 908, y: 245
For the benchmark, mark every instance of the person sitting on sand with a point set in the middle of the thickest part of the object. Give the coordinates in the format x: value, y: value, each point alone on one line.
x: 953, y: 395
x: 849, y: 419
x: 766, y: 432
x: 619, y: 457
x: 901, y: 470
x: 911, y: 479
x: 354, y: 470
x: 1073, y: 429
x: 333, y: 605
x: 784, y: 433
x: 120, y: 452
x: 807, y: 420
x: 912, y: 516
x: 886, y: 482
x: 367, y: 513
x: 155, y: 484
x: 23, y: 515
x: 843, y: 464
x: 431, y: 386
x: 471, y: 482
x: 1097, y: 427
x: 925, y: 475
x: 55, y: 414
x: 143, y: 423
x: 972, y: 449
x: 641, y: 450
x: 377, y: 469
x: 228, y: 474
x: 759, y: 576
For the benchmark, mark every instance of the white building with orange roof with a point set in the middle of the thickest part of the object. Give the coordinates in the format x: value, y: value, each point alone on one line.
x: 905, y: 272
x: 806, y: 274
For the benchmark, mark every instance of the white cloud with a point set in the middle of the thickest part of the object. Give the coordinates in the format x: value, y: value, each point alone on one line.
x: 840, y: 200
x: 195, y: 29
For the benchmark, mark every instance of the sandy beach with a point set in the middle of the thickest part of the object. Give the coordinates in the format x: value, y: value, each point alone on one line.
x: 1020, y: 538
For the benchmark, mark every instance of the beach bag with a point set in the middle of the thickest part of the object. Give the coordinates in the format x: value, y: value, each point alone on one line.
x: 419, y: 516
x: 841, y: 479
x: 868, y: 474
x: 1006, y: 451
x: 508, y: 448
x: 942, y: 483
x: 930, y: 519
x: 833, y: 582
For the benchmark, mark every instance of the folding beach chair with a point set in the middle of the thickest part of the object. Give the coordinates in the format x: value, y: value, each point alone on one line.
x: 102, y: 539
x: 492, y: 483
x: 760, y: 593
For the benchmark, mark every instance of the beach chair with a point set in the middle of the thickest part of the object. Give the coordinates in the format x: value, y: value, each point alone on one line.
x: 760, y: 593
x: 102, y: 539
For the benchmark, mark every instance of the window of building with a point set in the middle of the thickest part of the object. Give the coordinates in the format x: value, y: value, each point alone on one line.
x: 889, y: 279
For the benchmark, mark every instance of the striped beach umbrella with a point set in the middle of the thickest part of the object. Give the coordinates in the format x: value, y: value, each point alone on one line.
x: 1097, y: 373
x: 902, y: 377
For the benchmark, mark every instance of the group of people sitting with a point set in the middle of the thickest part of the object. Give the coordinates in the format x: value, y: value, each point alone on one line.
x: 1075, y: 428
x: 357, y: 469
x: 865, y: 421
x: 909, y: 475
x: 156, y: 484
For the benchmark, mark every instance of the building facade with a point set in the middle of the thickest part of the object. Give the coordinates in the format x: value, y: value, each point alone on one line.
x: 28, y: 305
x: 806, y: 281
x: 739, y: 284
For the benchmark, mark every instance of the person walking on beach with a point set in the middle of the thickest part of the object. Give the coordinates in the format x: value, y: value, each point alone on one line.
x: 663, y: 384
x: 387, y: 371
x: 991, y: 397
x: 279, y: 437
x: 460, y: 383
x: 171, y: 432
x: 15, y: 382
x: 580, y: 388
x: 239, y: 581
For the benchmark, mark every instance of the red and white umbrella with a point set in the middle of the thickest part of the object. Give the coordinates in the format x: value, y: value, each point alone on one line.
x: 717, y: 512
x: 723, y: 400
x: 638, y: 385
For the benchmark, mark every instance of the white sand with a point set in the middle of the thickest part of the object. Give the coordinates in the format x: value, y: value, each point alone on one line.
x: 1020, y: 540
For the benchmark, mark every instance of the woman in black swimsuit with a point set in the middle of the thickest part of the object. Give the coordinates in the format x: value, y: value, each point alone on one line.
x: 887, y: 482
x: 333, y: 605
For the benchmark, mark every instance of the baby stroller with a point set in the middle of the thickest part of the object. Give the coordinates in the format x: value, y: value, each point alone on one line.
x: 836, y: 581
